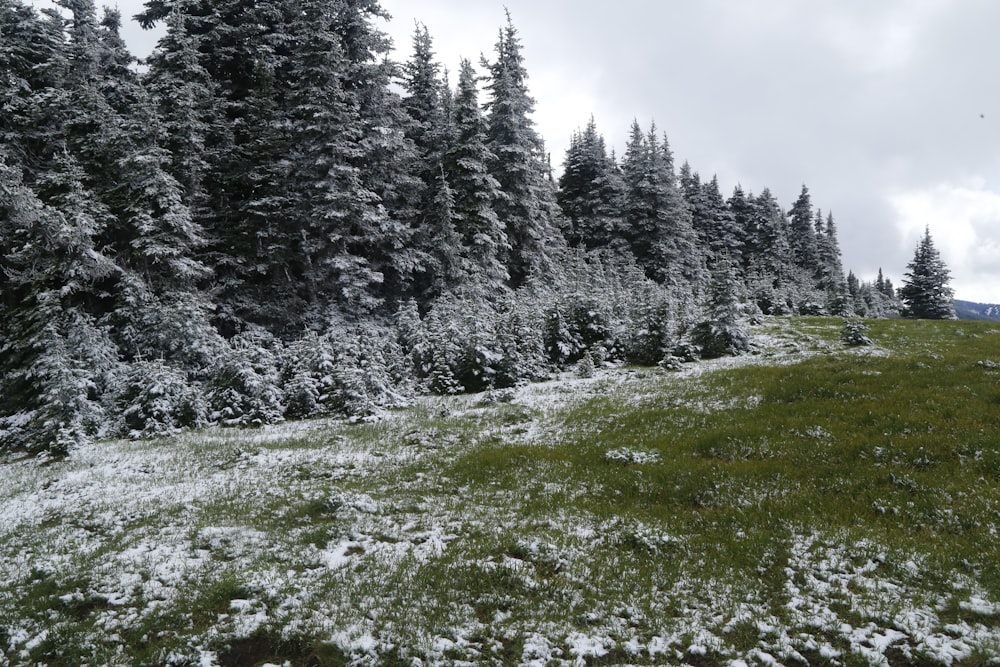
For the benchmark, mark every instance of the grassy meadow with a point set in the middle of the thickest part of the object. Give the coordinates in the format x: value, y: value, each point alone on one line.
x: 808, y: 504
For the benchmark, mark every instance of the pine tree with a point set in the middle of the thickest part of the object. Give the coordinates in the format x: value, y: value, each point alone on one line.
x: 475, y: 192
x: 33, y: 66
x: 721, y: 333
x: 770, y: 266
x: 876, y: 299
x: 441, y: 239
x: 658, y: 220
x: 591, y: 192
x: 423, y: 100
x: 830, y: 269
x: 925, y: 292
x: 802, y: 233
x: 741, y: 207
x: 713, y: 221
x: 54, y: 353
x: 884, y: 285
x: 185, y: 96
x: 387, y: 157
x: 435, y: 235
x: 333, y: 216
x: 528, y: 206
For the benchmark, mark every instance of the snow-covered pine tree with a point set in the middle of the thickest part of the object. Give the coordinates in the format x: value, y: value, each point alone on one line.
x: 591, y: 192
x: 528, y: 207
x: 335, y: 216
x: 230, y: 52
x: 873, y: 300
x: 642, y: 195
x: 802, y: 232
x: 721, y: 333
x: 435, y: 235
x: 925, y: 293
x: 769, y: 265
x: 713, y: 221
x: 652, y: 324
x: 830, y: 270
x: 154, y: 307
x: 55, y: 358
x: 154, y: 398
x: 884, y: 285
x: 185, y: 97
x: 657, y: 217
x: 244, y: 383
x: 475, y: 191
x: 32, y: 69
x: 387, y: 157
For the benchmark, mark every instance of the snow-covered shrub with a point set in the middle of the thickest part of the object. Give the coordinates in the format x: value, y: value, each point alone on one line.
x: 349, y: 370
x: 721, y: 333
x: 152, y: 398
x: 769, y: 298
x: 244, y: 382
x: 307, y: 368
x: 174, y: 327
x: 561, y: 342
x: 519, y: 340
x: 574, y: 324
x: 720, y: 339
x: 498, y: 396
x: 686, y: 351
x: 585, y: 367
x: 654, y: 328
x: 812, y: 308
x: 468, y: 343
x: 855, y: 333
x: 369, y: 370
x: 671, y: 363
x: 58, y: 395
x: 435, y: 347
x: 480, y: 359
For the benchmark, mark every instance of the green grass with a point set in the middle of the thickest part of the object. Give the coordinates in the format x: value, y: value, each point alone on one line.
x: 796, y: 506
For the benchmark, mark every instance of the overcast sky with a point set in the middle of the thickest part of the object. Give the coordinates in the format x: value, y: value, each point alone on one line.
x: 888, y: 111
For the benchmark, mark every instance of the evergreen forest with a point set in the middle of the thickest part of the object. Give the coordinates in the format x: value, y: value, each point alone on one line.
x: 271, y: 219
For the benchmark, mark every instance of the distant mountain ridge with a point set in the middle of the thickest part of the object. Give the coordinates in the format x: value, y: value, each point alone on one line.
x: 968, y: 310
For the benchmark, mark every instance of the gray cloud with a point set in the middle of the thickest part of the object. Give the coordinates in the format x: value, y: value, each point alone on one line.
x: 860, y: 101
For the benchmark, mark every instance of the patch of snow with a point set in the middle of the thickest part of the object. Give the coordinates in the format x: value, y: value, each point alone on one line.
x: 586, y: 646
x: 980, y: 606
x: 625, y: 455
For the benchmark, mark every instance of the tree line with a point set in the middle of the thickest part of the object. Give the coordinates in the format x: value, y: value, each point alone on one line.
x: 271, y: 219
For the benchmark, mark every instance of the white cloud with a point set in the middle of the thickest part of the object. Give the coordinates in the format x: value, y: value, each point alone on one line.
x: 962, y: 220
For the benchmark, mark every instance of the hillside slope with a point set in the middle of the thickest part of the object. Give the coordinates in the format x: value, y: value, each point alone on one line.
x: 807, y: 504
x: 968, y: 310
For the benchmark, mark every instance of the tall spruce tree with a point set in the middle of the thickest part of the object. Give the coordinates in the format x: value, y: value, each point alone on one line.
x: 185, y: 96
x: 475, y: 191
x: 32, y: 69
x: 54, y: 353
x: 388, y: 160
x: 528, y: 206
x: 428, y: 107
x: 925, y: 293
x: 331, y: 206
x: 830, y: 269
x: 657, y: 217
x: 770, y: 266
x: 802, y: 232
x: 715, y: 223
x: 591, y: 192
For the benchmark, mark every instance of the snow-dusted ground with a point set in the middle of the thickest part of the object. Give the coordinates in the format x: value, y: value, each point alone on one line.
x: 350, y: 534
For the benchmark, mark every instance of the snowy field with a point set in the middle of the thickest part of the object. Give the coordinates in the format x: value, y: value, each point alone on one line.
x: 395, y: 543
